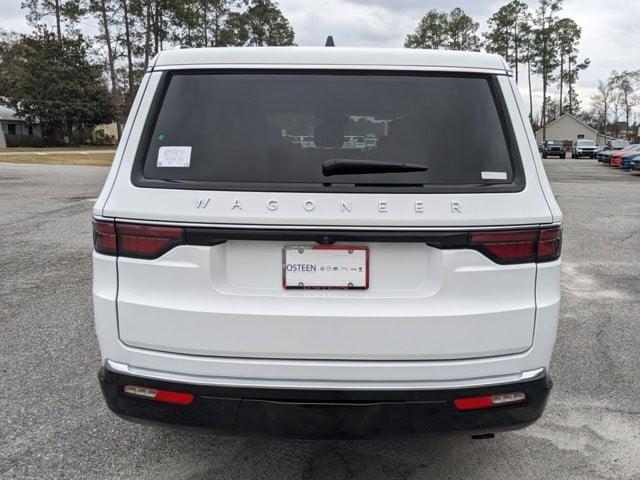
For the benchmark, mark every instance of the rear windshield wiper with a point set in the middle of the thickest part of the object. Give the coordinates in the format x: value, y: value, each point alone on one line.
x: 348, y: 166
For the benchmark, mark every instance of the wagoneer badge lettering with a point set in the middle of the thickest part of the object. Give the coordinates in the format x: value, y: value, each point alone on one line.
x: 202, y: 202
x: 344, y: 206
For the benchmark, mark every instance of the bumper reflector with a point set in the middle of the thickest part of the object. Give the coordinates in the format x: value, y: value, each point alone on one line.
x: 164, y: 396
x: 489, y: 401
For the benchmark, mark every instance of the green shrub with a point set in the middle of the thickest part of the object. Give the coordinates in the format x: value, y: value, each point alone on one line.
x: 23, y: 140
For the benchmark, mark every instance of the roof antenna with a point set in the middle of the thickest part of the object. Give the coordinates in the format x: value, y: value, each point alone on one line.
x: 329, y: 42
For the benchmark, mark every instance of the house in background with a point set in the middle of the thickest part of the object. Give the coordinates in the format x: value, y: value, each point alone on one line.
x: 105, y: 134
x: 570, y: 127
x: 13, y: 125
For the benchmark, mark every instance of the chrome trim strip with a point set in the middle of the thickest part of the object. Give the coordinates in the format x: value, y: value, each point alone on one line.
x: 322, y: 384
x: 333, y: 227
x: 336, y: 66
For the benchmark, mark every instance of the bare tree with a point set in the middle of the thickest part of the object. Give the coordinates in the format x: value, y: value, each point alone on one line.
x: 601, y: 102
x: 626, y: 84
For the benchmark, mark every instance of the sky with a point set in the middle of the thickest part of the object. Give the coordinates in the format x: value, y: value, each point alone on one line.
x: 610, y: 29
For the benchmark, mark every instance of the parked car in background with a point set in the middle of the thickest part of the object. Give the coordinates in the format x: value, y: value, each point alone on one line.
x: 553, y: 147
x: 627, y: 159
x: 584, y: 148
x: 616, y: 157
x: 635, y: 164
x: 604, y: 156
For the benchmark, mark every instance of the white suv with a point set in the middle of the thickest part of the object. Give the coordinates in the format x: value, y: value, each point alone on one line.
x: 245, y: 283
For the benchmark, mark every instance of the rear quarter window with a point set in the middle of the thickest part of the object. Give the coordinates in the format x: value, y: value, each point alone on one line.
x: 239, y: 130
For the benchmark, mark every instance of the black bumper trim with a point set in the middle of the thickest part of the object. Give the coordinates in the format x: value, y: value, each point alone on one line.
x: 325, y: 413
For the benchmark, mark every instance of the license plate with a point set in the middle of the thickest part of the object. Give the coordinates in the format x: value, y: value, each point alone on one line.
x: 328, y: 267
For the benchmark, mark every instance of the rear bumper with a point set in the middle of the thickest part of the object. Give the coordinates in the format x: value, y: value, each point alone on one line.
x: 325, y: 413
x: 585, y: 154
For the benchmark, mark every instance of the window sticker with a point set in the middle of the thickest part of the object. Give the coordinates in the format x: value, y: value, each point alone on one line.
x: 174, y: 157
x: 493, y: 175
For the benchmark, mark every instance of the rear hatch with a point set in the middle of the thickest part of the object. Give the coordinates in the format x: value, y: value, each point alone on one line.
x: 417, y: 243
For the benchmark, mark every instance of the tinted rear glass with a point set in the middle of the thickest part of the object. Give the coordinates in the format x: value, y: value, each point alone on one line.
x: 273, y: 131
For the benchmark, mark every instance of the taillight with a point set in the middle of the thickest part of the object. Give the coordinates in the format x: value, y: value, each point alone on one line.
x: 147, y: 241
x: 489, y: 401
x: 506, y: 246
x: 549, y: 244
x: 164, y: 396
x: 519, y: 246
x: 129, y: 240
x: 104, y: 237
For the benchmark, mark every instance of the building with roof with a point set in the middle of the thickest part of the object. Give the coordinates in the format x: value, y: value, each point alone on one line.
x: 569, y: 127
x: 11, y: 124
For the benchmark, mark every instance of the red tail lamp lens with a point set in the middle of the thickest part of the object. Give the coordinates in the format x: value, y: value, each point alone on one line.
x: 506, y: 246
x: 489, y: 401
x: 147, y: 241
x: 128, y: 240
x: 519, y: 246
x: 164, y: 396
x: 549, y: 244
x: 104, y: 237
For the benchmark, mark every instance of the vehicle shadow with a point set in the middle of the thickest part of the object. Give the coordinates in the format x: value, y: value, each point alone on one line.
x: 200, y: 457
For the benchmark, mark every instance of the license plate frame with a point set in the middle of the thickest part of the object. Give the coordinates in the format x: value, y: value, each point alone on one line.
x: 336, y: 267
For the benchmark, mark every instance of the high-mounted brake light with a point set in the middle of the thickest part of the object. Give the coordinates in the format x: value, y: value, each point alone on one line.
x: 489, y: 401
x: 164, y: 396
x: 140, y: 241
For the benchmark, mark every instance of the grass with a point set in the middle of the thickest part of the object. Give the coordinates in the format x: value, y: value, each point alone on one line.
x: 57, y: 149
x: 102, y: 159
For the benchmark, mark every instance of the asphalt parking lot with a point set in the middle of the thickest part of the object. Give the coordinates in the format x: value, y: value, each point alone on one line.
x: 54, y: 424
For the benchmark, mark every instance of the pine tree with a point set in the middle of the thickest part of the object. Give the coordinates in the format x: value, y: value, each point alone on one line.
x: 262, y: 24
x: 455, y: 31
x: 462, y: 31
x: 545, y: 49
x: 64, y: 12
x: 432, y: 31
x: 508, y: 33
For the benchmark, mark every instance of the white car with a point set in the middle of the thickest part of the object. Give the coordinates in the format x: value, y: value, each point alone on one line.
x: 244, y: 284
x: 585, y: 148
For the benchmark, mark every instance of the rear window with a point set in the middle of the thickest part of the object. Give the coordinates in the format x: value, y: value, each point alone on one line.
x: 274, y: 131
